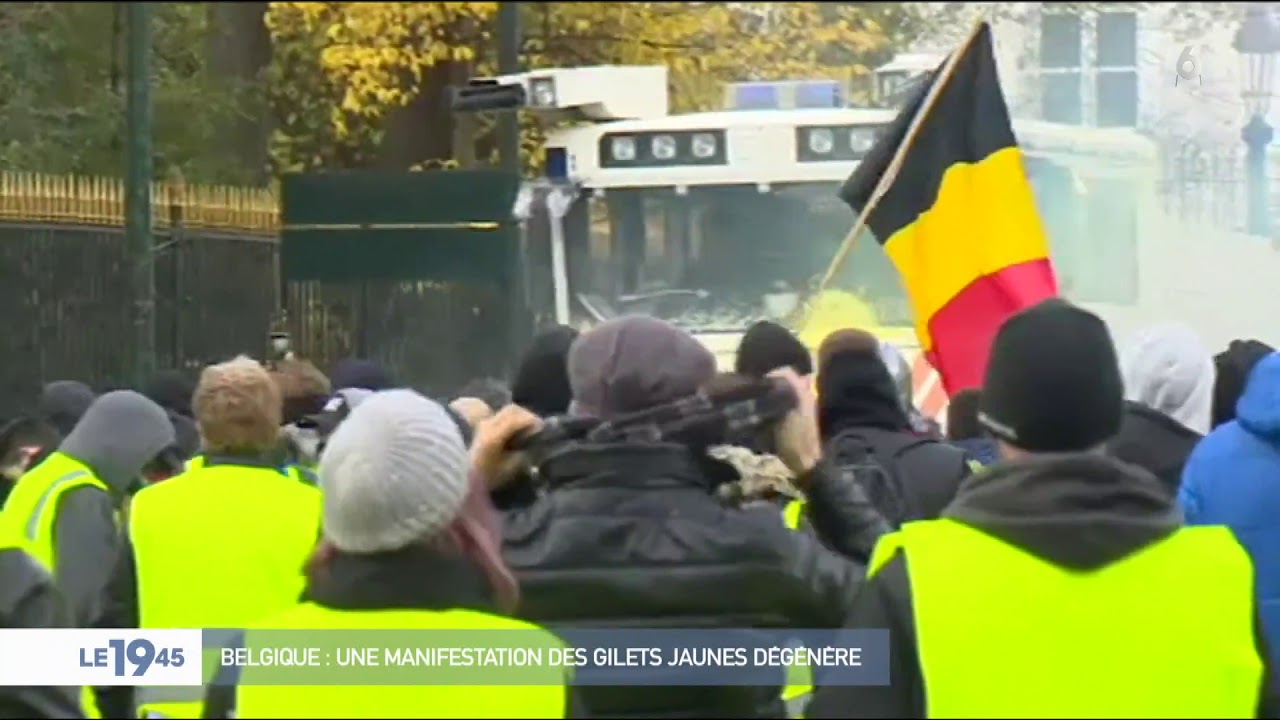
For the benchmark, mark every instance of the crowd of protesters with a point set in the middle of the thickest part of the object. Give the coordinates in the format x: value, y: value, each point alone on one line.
x: 1096, y: 533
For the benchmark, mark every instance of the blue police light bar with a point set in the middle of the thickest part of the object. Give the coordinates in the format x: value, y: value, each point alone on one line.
x: 820, y: 94
x: 785, y: 95
x: 757, y: 96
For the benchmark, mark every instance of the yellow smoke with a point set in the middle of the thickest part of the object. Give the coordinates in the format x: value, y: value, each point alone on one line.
x: 833, y: 310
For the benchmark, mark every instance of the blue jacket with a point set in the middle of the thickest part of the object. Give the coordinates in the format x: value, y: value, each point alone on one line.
x: 1233, y: 478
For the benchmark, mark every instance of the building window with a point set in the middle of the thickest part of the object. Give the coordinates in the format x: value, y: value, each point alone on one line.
x: 1117, y: 40
x: 1061, y: 60
x: 1060, y: 40
x: 1117, y: 98
x: 1117, y: 69
x: 1062, y: 98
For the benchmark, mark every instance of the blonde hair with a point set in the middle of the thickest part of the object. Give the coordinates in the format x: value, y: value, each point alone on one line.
x: 237, y: 407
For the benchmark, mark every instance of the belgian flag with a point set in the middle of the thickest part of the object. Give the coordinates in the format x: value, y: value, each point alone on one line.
x: 958, y: 218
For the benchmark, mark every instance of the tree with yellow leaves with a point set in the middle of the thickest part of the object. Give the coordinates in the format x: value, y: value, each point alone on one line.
x: 382, y: 62
x: 704, y: 45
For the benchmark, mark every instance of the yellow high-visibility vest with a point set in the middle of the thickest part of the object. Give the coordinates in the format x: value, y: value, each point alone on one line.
x: 545, y: 700
x: 1165, y: 632
x: 218, y: 547
x: 799, y: 675
x: 31, y: 510
x: 30, y: 517
x: 793, y: 513
x: 300, y: 473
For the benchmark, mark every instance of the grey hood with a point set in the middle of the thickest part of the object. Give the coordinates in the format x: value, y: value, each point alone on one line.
x: 119, y: 434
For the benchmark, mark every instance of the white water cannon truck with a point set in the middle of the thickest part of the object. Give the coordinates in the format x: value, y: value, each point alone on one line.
x: 715, y: 219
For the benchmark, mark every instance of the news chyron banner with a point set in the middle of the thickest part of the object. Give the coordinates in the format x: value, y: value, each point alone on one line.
x: 178, y: 658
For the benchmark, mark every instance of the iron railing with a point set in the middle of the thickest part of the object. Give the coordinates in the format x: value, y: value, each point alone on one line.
x: 66, y: 290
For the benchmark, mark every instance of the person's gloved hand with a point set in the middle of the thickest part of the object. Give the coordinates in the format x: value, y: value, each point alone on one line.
x: 491, y: 452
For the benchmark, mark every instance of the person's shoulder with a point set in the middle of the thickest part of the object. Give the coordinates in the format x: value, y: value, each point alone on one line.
x: 913, y: 447
x: 1230, y: 460
x: 1226, y: 447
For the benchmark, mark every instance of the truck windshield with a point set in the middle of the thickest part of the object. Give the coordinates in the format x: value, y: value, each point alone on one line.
x: 741, y: 249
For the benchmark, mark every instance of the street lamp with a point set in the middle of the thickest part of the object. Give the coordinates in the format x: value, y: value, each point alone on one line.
x: 1258, y: 42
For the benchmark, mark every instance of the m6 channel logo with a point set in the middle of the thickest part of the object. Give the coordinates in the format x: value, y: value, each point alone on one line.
x: 1191, y: 64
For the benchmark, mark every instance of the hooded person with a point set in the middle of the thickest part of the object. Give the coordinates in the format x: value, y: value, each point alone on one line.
x: 409, y: 543
x: 1059, y: 545
x: 182, y: 523
x: 767, y: 346
x: 868, y: 434
x: 1233, y: 366
x: 171, y: 390
x: 1168, y: 380
x: 540, y: 384
x: 63, y: 403
x: 764, y: 347
x: 1230, y: 479
x: 541, y: 381
x: 631, y: 533
x: 71, y: 498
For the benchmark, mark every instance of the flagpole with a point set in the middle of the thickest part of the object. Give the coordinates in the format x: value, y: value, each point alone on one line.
x: 895, y: 165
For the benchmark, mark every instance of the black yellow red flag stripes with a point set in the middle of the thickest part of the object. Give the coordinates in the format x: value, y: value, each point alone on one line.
x: 958, y: 218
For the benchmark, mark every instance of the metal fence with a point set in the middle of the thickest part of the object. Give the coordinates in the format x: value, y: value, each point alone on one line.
x: 1205, y: 184
x: 433, y: 336
x: 418, y: 270
x: 65, y: 284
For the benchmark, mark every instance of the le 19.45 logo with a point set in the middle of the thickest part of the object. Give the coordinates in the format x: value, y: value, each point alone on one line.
x: 138, y: 655
x: 1190, y: 65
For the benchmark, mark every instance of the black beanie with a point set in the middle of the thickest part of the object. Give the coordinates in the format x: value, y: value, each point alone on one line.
x: 1053, y: 382
x: 1232, y: 368
x: 767, y: 346
x: 541, y: 382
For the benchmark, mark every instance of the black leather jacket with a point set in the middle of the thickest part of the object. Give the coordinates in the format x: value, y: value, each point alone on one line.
x: 28, y: 599
x: 632, y: 536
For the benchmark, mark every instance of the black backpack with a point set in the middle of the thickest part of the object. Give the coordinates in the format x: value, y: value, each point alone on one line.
x: 874, y: 459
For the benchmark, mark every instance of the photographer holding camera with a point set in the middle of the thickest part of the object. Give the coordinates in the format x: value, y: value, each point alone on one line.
x: 628, y: 531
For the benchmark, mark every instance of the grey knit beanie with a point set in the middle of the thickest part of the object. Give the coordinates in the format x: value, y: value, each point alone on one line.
x: 393, y: 472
